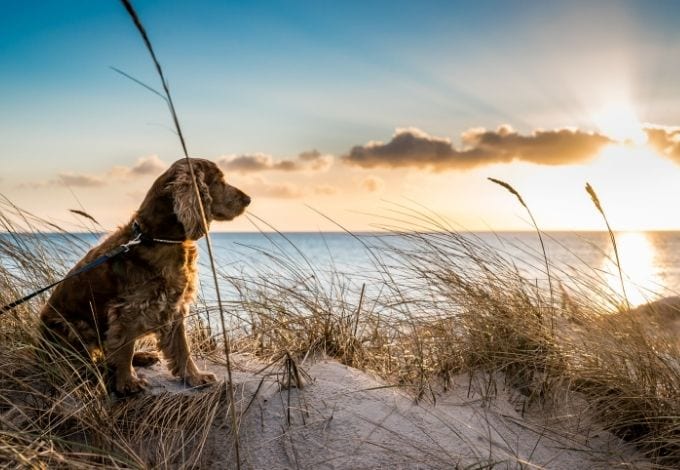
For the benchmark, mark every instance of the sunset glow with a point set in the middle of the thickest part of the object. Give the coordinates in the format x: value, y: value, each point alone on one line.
x: 639, y: 267
x: 305, y: 107
x: 619, y: 121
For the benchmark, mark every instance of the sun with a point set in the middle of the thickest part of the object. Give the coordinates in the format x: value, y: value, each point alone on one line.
x: 639, y: 266
x: 619, y: 121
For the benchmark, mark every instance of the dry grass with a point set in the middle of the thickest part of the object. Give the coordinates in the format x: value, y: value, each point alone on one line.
x: 449, y: 303
x: 438, y: 304
x: 55, y: 409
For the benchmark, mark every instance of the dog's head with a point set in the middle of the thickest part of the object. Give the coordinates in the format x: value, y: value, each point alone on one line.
x: 221, y: 201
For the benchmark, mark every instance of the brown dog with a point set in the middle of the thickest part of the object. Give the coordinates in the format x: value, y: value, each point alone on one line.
x: 148, y: 289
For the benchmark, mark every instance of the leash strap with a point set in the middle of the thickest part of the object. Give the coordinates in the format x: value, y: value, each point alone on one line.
x: 124, y: 248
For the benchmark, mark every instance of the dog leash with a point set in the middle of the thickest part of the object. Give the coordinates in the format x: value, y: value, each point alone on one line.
x: 139, y: 238
x: 124, y: 248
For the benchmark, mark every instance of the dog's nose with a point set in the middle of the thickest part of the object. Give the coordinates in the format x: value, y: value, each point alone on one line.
x: 246, y: 199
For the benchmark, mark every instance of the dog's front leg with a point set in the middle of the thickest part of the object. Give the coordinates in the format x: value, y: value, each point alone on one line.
x: 119, y: 348
x: 173, y: 343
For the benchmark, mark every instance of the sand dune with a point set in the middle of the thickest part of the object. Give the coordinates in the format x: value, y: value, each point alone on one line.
x: 347, y: 419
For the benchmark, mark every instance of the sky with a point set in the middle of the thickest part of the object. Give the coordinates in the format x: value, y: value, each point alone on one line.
x: 346, y: 114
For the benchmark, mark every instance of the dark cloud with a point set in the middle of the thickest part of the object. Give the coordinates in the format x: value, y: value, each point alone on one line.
x: 553, y: 147
x: 665, y: 140
x: 248, y: 163
x: 306, y: 161
x: 310, y: 156
x: 417, y: 149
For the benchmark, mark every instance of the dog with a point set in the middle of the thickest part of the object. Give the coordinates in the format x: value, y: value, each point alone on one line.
x: 147, y: 290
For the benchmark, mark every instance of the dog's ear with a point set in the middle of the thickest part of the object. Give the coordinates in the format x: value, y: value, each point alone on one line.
x: 185, y: 202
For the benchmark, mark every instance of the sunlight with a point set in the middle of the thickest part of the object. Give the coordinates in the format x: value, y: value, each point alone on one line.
x: 619, y: 121
x: 638, y: 262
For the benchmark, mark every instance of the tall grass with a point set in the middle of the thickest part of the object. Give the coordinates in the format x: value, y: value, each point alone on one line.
x: 55, y: 408
x: 519, y: 197
x: 437, y: 304
x: 598, y: 205
x: 442, y: 303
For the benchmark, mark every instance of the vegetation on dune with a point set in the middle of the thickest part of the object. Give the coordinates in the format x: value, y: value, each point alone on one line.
x: 449, y: 304
x: 55, y: 408
x: 437, y: 305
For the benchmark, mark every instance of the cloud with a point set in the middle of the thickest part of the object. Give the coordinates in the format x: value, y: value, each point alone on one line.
x: 665, y: 140
x: 325, y: 189
x: 78, y: 180
x: 552, y: 147
x: 136, y: 195
x: 151, y: 165
x: 372, y: 184
x: 414, y: 148
x: 256, y: 162
x: 74, y: 180
x: 259, y: 187
x: 249, y: 163
x: 316, y: 161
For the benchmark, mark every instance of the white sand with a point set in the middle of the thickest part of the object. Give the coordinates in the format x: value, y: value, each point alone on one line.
x: 347, y: 419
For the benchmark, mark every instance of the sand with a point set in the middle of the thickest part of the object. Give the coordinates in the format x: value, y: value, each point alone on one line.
x: 347, y: 419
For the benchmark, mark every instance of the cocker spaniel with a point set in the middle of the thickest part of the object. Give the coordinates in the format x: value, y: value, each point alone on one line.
x: 147, y: 290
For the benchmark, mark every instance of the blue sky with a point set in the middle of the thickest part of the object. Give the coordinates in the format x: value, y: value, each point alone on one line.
x: 282, y: 78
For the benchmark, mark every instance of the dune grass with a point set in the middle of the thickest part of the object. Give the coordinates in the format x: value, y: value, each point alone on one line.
x: 450, y: 303
x: 55, y: 407
x: 437, y: 305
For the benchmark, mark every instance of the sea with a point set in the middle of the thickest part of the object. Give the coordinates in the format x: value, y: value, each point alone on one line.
x: 649, y: 262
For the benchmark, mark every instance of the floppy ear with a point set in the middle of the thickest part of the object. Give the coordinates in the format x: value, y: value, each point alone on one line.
x: 186, y: 204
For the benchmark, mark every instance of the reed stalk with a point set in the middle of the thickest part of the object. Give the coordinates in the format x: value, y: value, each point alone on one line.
x: 596, y: 201
x: 515, y: 193
x: 227, y: 345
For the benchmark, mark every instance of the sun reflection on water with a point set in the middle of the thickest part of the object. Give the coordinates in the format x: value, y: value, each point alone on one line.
x: 639, y: 263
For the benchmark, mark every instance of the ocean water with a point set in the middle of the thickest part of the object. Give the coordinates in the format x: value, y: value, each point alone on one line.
x: 650, y: 261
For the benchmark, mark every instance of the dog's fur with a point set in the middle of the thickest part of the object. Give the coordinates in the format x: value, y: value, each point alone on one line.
x: 147, y: 290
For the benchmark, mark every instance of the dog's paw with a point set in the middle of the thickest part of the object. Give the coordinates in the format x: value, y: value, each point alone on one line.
x: 145, y: 359
x: 199, y: 379
x: 130, y: 386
